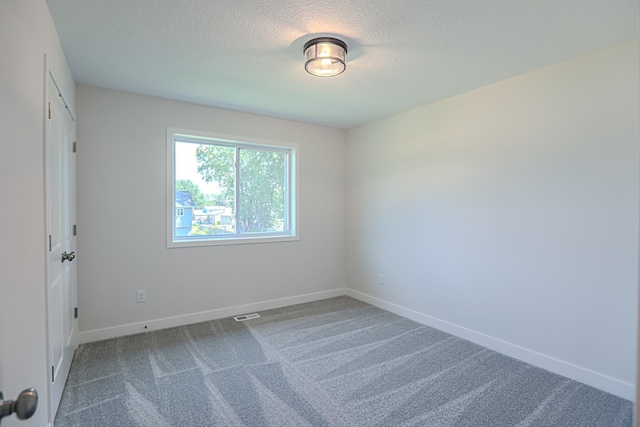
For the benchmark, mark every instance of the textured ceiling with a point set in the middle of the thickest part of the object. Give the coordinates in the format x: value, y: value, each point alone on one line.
x: 247, y: 54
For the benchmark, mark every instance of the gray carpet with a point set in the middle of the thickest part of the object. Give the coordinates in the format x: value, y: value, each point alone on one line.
x: 336, y: 362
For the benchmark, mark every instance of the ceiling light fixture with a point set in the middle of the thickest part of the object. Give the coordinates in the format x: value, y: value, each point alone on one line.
x: 325, y: 56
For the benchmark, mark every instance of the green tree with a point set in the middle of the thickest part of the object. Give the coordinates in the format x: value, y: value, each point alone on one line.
x: 216, y: 164
x: 261, y: 186
x: 199, y: 199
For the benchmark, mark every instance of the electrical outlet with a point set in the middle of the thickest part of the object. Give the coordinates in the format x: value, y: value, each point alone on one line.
x: 380, y: 279
x: 142, y: 295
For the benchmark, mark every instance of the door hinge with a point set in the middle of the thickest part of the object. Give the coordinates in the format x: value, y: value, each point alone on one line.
x: 75, y: 230
x: 74, y: 146
x: 53, y: 372
x: 49, y: 242
x: 75, y: 312
x: 49, y: 110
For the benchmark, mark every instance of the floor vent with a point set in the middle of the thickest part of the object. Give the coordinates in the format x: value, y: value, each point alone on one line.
x: 246, y: 317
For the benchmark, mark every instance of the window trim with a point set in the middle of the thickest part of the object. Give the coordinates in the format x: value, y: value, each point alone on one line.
x: 291, y: 206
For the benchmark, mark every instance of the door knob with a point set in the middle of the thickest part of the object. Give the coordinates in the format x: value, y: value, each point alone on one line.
x: 68, y: 256
x: 24, y: 406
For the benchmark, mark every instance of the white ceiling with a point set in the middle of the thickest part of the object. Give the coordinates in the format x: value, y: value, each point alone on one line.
x: 247, y: 54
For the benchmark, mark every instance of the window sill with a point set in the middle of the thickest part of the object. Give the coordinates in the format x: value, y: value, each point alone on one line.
x: 230, y: 241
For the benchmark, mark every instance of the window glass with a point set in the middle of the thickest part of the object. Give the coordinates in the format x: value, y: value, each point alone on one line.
x: 261, y: 191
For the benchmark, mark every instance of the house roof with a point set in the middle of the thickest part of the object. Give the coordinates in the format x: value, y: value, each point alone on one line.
x: 183, y: 199
x: 247, y: 55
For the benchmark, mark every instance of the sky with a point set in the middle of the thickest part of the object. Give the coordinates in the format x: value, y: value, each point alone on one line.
x: 187, y: 167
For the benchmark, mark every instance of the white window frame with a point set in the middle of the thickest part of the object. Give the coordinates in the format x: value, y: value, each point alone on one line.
x: 291, y: 208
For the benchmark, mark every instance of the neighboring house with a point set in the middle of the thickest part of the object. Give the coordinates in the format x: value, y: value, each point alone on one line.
x: 184, y: 213
x: 212, y: 215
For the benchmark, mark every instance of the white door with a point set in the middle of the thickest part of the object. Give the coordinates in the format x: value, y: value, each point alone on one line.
x: 61, y: 271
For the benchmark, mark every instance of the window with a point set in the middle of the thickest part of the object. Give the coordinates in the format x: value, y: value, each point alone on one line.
x: 227, y: 189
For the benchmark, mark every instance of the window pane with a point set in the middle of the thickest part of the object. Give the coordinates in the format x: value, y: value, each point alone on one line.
x: 204, y: 183
x: 262, y: 190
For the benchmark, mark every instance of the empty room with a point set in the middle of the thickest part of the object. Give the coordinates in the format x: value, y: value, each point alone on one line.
x: 321, y: 213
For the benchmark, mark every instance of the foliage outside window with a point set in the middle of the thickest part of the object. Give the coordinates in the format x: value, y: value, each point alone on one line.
x: 229, y: 190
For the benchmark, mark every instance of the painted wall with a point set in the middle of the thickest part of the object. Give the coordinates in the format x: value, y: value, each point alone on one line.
x: 509, y: 215
x: 27, y: 33
x: 121, y: 161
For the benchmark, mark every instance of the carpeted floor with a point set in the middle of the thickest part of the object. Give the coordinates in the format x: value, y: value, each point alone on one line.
x: 336, y: 362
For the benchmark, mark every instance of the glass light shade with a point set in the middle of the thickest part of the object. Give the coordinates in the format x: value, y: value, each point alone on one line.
x: 325, y: 56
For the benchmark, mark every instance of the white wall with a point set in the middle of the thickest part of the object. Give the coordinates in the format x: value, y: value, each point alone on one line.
x: 509, y: 215
x: 27, y: 33
x: 122, y: 175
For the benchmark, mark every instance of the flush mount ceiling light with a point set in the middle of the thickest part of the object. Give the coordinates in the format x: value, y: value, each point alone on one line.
x: 325, y: 56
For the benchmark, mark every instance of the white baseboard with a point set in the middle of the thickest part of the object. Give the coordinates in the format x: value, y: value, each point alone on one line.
x: 569, y: 370
x: 203, y: 316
